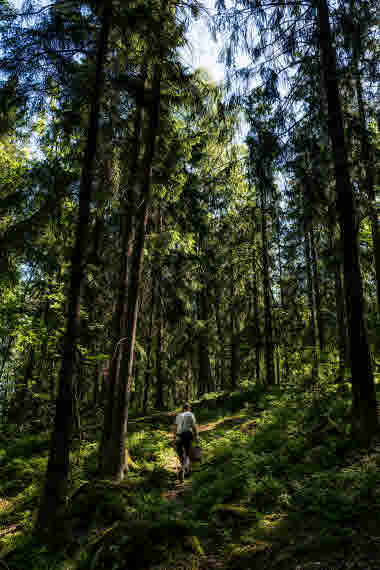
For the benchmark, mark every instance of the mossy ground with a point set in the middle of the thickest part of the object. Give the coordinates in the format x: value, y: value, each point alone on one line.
x: 282, y: 485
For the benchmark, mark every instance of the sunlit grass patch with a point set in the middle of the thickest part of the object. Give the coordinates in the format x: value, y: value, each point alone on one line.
x: 5, y: 505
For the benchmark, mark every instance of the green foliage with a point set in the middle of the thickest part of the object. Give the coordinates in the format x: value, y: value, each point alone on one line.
x: 291, y: 459
x: 281, y: 475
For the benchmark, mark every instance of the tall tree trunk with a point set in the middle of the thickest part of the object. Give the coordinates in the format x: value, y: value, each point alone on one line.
x: 282, y: 333
x: 148, y: 371
x: 95, y: 392
x: 361, y: 367
x: 256, y: 323
x: 268, y: 328
x: 221, y: 341
x: 128, y: 211
x: 55, y: 490
x: 235, y: 357
x: 317, y: 292
x: 205, y: 377
x: 310, y: 296
x: 116, y: 449
x: 340, y: 314
x: 235, y: 340
x: 278, y: 365
x: 159, y: 404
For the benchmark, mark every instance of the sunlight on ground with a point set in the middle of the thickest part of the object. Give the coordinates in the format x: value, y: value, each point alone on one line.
x: 4, y: 505
x: 212, y: 425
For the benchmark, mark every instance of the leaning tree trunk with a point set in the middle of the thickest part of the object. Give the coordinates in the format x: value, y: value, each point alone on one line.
x: 115, y: 461
x: 55, y: 491
x: 364, y: 405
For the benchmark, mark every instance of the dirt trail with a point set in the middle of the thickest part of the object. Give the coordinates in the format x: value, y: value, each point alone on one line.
x: 173, y: 464
x: 176, y: 491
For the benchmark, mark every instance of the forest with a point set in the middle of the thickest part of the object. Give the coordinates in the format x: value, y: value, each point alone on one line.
x: 169, y: 238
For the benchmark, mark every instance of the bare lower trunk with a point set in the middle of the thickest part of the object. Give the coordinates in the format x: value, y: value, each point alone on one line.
x: 235, y: 339
x: 149, y: 349
x: 278, y: 365
x: 54, y: 495
x: 221, y: 341
x: 317, y: 292
x: 361, y: 366
x: 340, y: 315
x: 268, y: 328
x: 314, y: 370
x: 205, y: 375
x: 159, y: 404
x: 256, y: 323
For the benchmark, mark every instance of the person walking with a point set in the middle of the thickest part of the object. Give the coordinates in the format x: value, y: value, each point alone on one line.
x: 184, y: 430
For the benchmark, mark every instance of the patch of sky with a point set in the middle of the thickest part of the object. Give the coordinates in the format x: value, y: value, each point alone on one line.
x: 202, y: 52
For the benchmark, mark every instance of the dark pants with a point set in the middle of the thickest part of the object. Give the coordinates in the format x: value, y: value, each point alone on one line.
x: 183, y: 444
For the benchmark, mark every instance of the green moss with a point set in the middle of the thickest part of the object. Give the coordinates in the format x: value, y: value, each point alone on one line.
x: 242, y: 556
x: 137, y: 544
x: 100, y: 502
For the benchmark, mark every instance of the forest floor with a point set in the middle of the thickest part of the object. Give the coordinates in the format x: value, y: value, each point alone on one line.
x: 282, y: 486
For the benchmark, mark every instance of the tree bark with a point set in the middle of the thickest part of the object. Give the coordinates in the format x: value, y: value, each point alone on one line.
x: 310, y: 296
x: 128, y: 211
x: 115, y: 453
x: 268, y: 328
x: 205, y: 374
x: 256, y: 322
x: 221, y: 341
x: 341, y: 316
x: 55, y: 490
x: 317, y: 292
x: 234, y: 334
x: 283, y: 334
x: 364, y: 405
x: 159, y: 403
x: 148, y: 371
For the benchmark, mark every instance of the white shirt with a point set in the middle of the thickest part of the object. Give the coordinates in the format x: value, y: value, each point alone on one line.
x: 185, y: 422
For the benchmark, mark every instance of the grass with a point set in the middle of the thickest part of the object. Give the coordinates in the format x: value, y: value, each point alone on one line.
x: 282, y: 483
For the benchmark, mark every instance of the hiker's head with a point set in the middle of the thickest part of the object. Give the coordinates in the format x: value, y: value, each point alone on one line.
x: 186, y: 407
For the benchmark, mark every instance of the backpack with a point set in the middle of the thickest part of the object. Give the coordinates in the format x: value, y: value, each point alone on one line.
x: 186, y: 432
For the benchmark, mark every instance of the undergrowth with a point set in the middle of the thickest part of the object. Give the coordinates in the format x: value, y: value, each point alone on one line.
x: 282, y: 482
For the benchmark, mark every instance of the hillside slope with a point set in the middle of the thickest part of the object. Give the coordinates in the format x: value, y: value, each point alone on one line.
x: 282, y: 485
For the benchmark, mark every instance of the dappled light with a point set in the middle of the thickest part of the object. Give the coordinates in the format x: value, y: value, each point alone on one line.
x: 189, y: 285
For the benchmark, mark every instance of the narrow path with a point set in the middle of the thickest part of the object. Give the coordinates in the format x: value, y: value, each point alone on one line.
x: 175, y: 492
x: 173, y: 464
